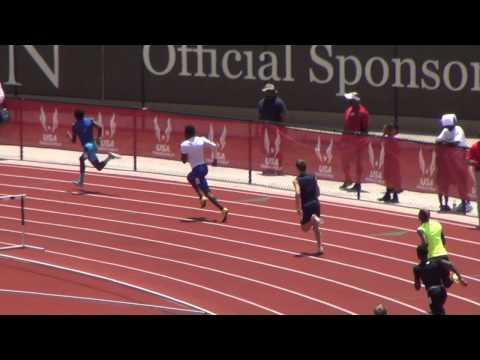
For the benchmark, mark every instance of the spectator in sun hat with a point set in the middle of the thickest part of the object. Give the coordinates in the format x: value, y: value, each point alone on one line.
x: 356, y: 123
x: 272, y: 107
x: 452, y: 135
x: 473, y: 159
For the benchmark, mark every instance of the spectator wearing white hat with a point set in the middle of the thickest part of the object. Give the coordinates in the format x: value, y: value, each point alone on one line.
x: 272, y: 107
x: 453, y: 135
x: 356, y: 123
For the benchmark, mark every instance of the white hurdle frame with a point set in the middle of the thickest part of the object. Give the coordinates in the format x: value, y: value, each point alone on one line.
x: 22, y: 245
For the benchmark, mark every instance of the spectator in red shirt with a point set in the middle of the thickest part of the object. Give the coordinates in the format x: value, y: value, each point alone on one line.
x: 356, y: 123
x: 473, y: 159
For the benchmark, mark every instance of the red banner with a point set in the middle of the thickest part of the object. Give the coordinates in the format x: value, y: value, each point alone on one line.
x: 399, y: 164
x: 160, y: 135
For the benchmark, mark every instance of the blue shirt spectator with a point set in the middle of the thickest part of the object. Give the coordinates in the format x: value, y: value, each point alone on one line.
x: 271, y: 107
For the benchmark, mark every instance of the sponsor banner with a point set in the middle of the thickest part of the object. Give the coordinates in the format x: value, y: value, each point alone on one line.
x: 272, y: 149
x: 403, y: 165
x: 220, y: 138
x: 161, y: 134
x: 46, y: 124
x: 325, y: 152
x: 424, y: 81
x: 10, y: 131
x: 376, y: 161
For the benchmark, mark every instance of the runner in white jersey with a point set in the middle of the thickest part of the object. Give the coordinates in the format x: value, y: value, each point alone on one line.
x: 192, y: 150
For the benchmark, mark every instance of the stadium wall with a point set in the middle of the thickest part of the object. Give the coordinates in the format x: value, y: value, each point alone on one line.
x: 411, y: 84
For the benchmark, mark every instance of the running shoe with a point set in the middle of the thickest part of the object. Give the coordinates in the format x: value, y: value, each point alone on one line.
x: 345, y: 185
x: 78, y: 183
x: 355, y: 188
x: 203, y: 202
x: 445, y: 208
x: 468, y: 207
x: 395, y: 199
x: 112, y: 155
x: 385, y: 198
x: 225, y: 212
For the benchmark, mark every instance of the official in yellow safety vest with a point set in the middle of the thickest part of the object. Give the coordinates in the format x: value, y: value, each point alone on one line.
x: 431, y: 234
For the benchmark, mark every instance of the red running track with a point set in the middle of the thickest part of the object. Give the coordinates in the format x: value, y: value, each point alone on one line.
x: 151, y: 234
x: 29, y: 289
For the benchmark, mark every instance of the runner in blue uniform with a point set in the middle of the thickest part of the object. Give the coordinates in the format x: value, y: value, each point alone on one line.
x: 83, y: 128
x: 308, y: 204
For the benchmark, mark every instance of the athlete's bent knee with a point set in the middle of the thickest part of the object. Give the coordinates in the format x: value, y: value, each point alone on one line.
x: 306, y: 227
x: 97, y: 165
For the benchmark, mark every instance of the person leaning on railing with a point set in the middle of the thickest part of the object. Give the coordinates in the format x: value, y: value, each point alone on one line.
x: 473, y: 159
x: 453, y: 135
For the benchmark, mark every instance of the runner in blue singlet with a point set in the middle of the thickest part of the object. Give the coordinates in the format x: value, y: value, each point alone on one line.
x: 83, y: 128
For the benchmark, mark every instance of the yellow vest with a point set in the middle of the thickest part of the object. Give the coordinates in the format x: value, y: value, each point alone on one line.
x: 433, y: 237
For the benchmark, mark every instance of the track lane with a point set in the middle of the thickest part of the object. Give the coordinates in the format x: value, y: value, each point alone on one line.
x: 190, y: 201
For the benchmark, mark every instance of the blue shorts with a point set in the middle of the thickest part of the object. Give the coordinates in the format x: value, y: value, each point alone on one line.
x: 312, y: 208
x: 197, y: 176
x: 91, y: 150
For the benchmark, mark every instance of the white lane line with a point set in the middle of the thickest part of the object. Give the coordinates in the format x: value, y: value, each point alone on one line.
x: 137, y: 270
x: 254, y: 280
x: 295, y: 224
x: 90, y: 299
x: 128, y: 189
x: 298, y: 272
x: 236, y: 227
x: 222, y: 254
x: 476, y: 243
x: 69, y: 203
x: 227, y: 189
x: 292, y: 292
x: 105, y: 278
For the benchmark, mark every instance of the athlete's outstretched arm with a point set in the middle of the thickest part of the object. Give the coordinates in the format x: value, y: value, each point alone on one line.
x: 444, y: 240
x: 73, y: 135
x: 297, y: 196
x: 213, y: 147
x: 416, y: 276
x: 422, y: 236
x: 450, y: 267
x: 99, y: 130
